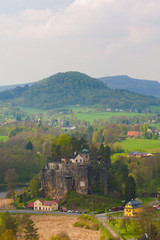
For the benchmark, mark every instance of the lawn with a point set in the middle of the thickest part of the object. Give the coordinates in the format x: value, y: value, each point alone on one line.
x: 145, y: 200
x: 130, y: 234
x: 84, y: 113
x: 34, y: 110
x: 90, y: 115
x: 3, y: 138
x: 147, y: 145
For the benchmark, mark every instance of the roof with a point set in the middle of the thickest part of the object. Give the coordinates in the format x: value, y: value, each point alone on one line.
x: 85, y: 151
x: 47, y: 203
x: 134, y: 203
x: 137, y: 153
x: 30, y: 205
x: 75, y: 155
x: 134, y: 133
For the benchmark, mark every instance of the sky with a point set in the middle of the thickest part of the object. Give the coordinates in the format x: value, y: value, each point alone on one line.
x: 39, y: 38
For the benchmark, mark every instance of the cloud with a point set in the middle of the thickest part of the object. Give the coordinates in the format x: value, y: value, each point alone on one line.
x: 96, y: 37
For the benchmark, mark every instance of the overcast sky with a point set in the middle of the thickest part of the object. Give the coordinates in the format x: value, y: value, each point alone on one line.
x: 39, y: 38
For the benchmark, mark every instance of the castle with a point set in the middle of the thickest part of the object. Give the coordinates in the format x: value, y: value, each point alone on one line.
x: 73, y: 174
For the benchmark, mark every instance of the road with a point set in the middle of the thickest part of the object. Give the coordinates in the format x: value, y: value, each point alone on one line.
x: 39, y: 212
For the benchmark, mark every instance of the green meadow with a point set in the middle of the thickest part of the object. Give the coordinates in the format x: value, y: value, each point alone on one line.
x: 147, y: 145
x: 84, y: 113
x: 130, y: 234
x: 34, y: 110
x: 3, y: 138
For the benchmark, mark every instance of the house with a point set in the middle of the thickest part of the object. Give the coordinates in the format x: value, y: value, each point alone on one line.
x: 79, y: 158
x: 132, y: 134
x: 138, y: 154
x: 132, y: 208
x: 30, y: 205
x: 46, y: 205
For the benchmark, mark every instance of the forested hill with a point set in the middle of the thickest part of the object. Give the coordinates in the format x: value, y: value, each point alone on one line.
x: 144, y: 87
x: 73, y: 88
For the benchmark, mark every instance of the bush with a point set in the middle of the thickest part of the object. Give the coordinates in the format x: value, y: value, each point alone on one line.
x: 87, y: 226
x: 79, y: 224
x: 95, y: 226
x: 61, y: 236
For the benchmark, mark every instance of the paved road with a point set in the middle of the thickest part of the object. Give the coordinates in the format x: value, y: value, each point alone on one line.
x: 40, y: 212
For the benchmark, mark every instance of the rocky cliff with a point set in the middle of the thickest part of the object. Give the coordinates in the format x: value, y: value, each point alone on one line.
x: 59, y: 178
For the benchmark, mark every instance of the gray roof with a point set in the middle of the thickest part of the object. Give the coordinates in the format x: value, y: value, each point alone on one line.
x: 136, y: 152
x: 134, y: 203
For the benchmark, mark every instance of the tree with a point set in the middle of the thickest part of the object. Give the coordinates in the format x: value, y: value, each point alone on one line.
x: 10, y: 178
x: 125, y: 221
x: 34, y: 186
x: 29, y: 146
x: 146, y: 224
x: 8, y: 222
x: 7, y: 235
x: 130, y: 189
x: 30, y: 232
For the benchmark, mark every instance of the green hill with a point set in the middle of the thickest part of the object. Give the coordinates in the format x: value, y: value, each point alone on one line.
x: 73, y: 88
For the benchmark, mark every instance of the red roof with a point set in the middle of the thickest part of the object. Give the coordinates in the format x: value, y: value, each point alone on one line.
x: 30, y: 205
x: 134, y: 133
x: 48, y: 203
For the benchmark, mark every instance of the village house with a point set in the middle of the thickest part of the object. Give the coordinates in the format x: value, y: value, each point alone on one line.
x: 132, y: 208
x: 78, y: 158
x: 43, y: 205
x: 138, y: 154
x: 133, y: 134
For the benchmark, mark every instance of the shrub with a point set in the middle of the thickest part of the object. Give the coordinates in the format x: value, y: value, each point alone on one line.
x: 87, y: 226
x: 60, y: 236
x: 79, y: 224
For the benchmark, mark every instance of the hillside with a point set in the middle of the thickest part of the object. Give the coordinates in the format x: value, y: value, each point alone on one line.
x: 145, y: 87
x: 73, y: 88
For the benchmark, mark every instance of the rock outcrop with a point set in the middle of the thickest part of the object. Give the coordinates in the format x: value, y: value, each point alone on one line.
x: 59, y: 178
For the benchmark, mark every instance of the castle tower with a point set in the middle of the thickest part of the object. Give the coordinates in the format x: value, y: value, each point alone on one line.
x: 85, y: 155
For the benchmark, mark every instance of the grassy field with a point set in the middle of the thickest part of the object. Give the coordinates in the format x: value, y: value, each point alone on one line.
x: 91, y: 115
x: 131, y: 233
x: 84, y: 113
x: 146, y: 200
x: 34, y: 110
x: 146, y: 145
x: 3, y: 138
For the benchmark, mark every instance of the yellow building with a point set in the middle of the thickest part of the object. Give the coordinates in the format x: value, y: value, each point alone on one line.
x: 132, y: 208
x: 46, y: 205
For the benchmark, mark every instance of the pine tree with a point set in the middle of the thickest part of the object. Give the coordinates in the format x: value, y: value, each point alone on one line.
x: 30, y: 232
x: 29, y: 146
x: 130, y: 189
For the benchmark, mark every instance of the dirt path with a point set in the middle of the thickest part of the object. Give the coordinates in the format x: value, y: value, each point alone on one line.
x: 102, y: 219
x: 52, y: 225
